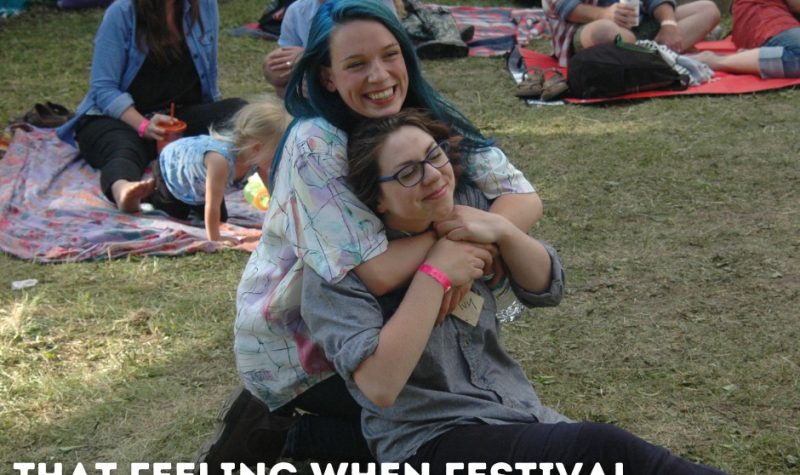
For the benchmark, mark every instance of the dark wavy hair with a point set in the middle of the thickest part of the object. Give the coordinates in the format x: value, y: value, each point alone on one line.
x: 153, y: 30
x: 319, y: 102
x: 366, y: 142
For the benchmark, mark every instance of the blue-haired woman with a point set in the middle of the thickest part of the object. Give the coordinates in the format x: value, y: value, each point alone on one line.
x: 358, y: 64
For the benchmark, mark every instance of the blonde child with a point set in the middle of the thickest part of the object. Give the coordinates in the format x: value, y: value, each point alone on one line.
x: 195, y: 172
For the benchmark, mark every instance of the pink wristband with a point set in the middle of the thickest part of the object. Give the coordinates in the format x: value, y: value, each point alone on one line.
x: 437, y: 275
x: 142, y: 126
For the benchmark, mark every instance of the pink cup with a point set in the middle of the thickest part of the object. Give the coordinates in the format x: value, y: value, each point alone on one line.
x: 172, y: 132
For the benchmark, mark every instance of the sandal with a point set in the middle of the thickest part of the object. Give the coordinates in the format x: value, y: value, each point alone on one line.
x: 59, y: 110
x: 532, y: 84
x: 41, y: 116
x: 554, y: 86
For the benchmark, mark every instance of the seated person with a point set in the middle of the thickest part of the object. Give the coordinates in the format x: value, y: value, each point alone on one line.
x: 580, y: 24
x: 296, y: 23
x: 769, y: 30
x: 437, y: 391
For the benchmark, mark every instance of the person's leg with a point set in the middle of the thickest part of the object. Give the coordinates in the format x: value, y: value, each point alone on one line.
x: 743, y: 62
x: 114, y: 148
x: 695, y: 20
x: 331, y: 428
x: 249, y: 433
x: 587, y: 443
x: 780, y: 55
x: 161, y: 198
x: 600, y: 32
x: 200, y: 117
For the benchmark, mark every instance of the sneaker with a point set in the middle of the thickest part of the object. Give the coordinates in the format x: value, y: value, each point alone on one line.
x: 247, y: 433
x: 467, y: 33
x: 554, y: 86
x: 531, y: 85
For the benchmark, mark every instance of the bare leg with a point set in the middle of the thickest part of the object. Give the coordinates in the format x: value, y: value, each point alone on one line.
x: 601, y: 32
x: 743, y: 62
x: 129, y: 194
x: 696, y: 20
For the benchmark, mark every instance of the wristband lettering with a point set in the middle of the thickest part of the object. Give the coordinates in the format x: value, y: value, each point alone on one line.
x: 437, y: 275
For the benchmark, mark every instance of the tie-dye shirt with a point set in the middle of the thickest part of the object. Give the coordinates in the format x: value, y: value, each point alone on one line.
x: 183, y: 166
x: 315, y: 220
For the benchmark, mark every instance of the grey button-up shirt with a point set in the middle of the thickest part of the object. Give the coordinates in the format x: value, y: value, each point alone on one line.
x: 463, y: 377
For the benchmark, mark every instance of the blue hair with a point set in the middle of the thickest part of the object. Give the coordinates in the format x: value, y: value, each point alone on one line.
x: 320, y: 102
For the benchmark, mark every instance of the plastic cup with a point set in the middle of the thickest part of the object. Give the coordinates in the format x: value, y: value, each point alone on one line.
x: 172, y: 132
x: 635, y: 4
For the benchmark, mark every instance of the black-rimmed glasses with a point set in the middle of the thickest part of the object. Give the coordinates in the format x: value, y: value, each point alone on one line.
x: 413, y: 173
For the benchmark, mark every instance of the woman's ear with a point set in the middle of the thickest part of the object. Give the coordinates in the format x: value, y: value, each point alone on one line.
x: 325, y: 78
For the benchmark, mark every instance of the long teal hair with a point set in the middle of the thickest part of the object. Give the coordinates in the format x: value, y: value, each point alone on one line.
x: 319, y: 102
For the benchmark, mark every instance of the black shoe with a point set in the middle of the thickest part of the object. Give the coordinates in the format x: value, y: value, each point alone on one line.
x: 467, y: 33
x: 247, y: 433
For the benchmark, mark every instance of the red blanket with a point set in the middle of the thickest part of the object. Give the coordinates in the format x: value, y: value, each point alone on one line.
x: 722, y: 83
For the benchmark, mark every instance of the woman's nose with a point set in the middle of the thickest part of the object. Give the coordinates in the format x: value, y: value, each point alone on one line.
x: 430, y: 174
x: 377, y: 72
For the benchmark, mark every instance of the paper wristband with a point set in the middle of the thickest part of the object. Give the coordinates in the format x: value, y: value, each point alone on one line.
x: 669, y: 23
x: 142, y: 126
x: 437, y: 275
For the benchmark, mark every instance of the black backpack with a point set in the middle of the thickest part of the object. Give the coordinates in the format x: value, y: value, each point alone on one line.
x: 619, y: 68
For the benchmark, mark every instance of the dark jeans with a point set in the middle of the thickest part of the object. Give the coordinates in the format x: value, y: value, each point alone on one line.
x: 331, y: 431
x: 588, y: 443
x: 116, y: 149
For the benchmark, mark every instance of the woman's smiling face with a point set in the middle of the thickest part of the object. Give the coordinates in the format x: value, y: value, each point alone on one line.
x: 367, y: 69
x: 413, y: 208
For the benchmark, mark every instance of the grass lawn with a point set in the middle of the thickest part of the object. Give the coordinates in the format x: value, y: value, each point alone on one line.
x: 677, y: 220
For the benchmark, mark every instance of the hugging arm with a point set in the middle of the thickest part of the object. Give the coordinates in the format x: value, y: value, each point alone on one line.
x: 380, y: 357
x: 527, y: 259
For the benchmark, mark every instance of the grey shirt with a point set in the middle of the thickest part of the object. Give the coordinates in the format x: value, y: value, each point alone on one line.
x: 464, y: 376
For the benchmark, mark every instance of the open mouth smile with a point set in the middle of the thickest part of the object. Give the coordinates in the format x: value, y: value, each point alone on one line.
x: 381, y: 96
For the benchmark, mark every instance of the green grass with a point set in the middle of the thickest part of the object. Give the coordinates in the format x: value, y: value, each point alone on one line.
x: 677, y: 220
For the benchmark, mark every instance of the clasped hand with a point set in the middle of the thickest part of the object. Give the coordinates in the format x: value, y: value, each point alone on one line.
x: 467, y: 248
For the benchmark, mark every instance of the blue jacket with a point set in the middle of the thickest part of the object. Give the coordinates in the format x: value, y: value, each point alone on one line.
x: 117, y: 59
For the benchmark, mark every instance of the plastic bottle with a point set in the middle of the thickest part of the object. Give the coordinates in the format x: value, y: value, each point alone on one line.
x: 256, y: 193
x: 508, y: 307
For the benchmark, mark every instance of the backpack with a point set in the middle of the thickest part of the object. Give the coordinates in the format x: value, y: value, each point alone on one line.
x: 618, y: 68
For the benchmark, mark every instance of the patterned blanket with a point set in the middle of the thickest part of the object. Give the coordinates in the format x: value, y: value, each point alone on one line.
x: 52, y: 210
x: 498, y: 29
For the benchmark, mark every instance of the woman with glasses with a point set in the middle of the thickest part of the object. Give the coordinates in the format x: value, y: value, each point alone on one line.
x: 358, y: 64
x: 441, y: 393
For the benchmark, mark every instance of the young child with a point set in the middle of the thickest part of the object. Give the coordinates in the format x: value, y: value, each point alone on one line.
x: 195, y: 172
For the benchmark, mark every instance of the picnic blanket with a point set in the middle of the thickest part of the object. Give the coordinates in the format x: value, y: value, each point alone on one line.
x: 722, y: 83
x: 497, y: 29
x: 52, y: 210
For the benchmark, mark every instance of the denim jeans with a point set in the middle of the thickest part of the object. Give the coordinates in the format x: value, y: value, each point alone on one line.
x: 779, y: 56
